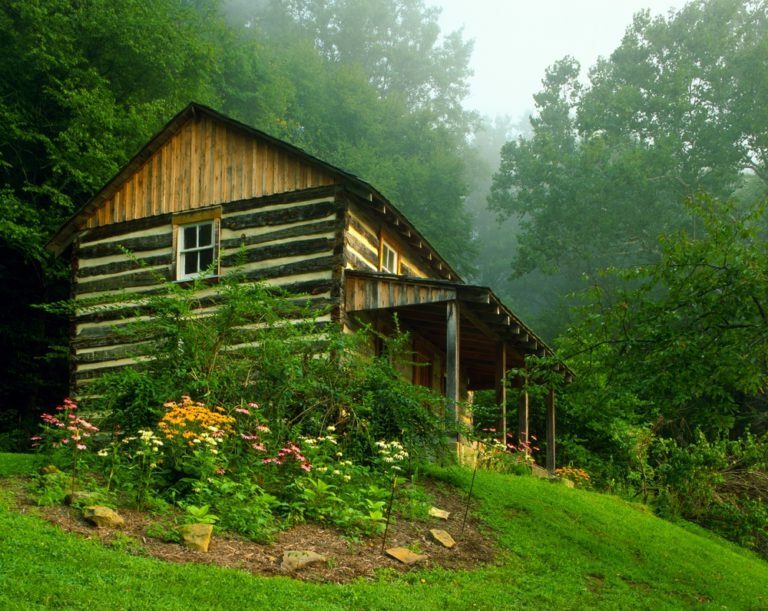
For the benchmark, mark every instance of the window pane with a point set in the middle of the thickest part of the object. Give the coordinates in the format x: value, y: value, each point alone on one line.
x: 190, y: 264
x: 190, y: 237
x: 206, y: 258
x: 205, y: 235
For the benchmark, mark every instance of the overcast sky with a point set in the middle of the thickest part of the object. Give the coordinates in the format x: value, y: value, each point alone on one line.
x: 515, y: 40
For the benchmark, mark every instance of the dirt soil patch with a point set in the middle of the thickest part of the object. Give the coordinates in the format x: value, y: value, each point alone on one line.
x: 347, y: 560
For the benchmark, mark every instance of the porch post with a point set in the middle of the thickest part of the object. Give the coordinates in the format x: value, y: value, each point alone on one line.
x: 522, y: 417
x: 501, y: 386
x: 452, y: 359
x: 551, y: 431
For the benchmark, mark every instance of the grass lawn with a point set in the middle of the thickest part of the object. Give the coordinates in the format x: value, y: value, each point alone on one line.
x: 561, y: 548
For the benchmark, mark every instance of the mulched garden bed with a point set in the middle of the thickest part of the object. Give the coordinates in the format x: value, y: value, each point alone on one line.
x: 347, y: 560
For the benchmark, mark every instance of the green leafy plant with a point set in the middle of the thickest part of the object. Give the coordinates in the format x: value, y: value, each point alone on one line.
x: 199, y: 515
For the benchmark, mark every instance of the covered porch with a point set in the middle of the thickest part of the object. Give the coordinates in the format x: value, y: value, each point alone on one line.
x: 464, y: 334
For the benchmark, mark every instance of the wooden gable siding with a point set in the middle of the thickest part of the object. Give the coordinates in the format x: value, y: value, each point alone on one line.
x: 290, y: 240
x: 206, y: 163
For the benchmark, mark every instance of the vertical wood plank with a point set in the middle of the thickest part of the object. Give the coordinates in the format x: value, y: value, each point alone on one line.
x: 452, y: 330
x: 210, y: 153
x: 185, y: 191
x: 501, y: 387
x: 269, y: 168
x: 551, y: 432
x: 194, y: 165
x: 217, y: 164
x: 139, y: 195
x: 149, y: 188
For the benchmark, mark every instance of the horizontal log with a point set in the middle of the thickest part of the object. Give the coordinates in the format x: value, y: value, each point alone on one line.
x: 307, y: 229
x: 367, y: 234
x: 292, y: 269
x: 360, y: 248
x: 117, y: 283
x: 116, y: 229
x: 281, y: 216
x: 122, y: 351
x: 134, y: 245
x: 122, y: 266
x: 279, y: 251
x: 280, y: 198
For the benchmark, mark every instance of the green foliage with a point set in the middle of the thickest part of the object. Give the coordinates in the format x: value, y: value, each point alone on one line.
x: 199, y: 514
x: 670, y: 112
x: 164, y: 532
x: 684, y: 348
x: 722, y: 485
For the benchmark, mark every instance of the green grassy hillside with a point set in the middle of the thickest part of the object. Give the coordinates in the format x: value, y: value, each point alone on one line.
x: 561, y: 548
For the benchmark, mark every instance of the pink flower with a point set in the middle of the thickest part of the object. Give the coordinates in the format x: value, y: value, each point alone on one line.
x: 242, y: 410
x: 220, y: 471
x: 36, y: 438
x: 253, y: 405
x: 262, y: 428
x: 306, y: 466
x: 81, y: 446
x: 259, y: 446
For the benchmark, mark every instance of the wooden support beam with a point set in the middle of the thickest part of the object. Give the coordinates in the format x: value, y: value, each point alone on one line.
x: 522, y: 417
x: 551, y: 432
x: 501, y: 386
x: 452, y: 332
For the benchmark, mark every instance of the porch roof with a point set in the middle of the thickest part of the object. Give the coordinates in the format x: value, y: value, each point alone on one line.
x: 420, y: 304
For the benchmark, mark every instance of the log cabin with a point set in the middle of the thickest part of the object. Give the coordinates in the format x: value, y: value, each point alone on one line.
x: 207, y: 192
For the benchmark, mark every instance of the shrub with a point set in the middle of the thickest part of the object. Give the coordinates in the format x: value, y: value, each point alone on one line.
x: 721, y: 485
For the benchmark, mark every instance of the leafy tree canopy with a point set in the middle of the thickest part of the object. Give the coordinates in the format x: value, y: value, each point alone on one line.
x: 674, y: 110
x: 686, y: 347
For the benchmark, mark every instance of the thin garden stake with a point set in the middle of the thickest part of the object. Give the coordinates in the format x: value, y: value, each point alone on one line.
x: 469, y: 496
x: 389, y: 512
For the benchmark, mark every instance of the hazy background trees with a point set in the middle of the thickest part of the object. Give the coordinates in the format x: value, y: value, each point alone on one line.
x: 673, y: 111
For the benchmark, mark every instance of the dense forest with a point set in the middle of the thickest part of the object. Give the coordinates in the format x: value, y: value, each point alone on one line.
x: 625, y: 220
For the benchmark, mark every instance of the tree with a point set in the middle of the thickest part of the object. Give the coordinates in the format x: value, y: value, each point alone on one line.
x: 82, y: 86
x: 686, y: 348
x: 671, y: 112
x: 378, y: 92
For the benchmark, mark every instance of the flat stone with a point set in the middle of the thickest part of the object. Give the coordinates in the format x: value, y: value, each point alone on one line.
x: 406, y: 556
x: 439, y: 513
x: 442, y: 537
x: 294, y: 560
x: 103, y: 517
x: 196, y: 536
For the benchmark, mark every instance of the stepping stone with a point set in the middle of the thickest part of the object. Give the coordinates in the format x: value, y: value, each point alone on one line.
x: 442, y: 537
x: 196, y: 536
x: 103, y: 517
x: 293, y: 560
x: 406, y: 556
x: 439, y: 513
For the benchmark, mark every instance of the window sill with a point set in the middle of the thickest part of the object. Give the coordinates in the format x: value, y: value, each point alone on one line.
x: 187, y: 282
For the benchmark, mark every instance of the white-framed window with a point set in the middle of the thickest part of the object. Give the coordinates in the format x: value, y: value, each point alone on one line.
x: 196, y: 250
x: 389, y: 258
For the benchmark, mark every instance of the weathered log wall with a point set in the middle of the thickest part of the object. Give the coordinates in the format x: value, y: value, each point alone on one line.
x: 293, y: 241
